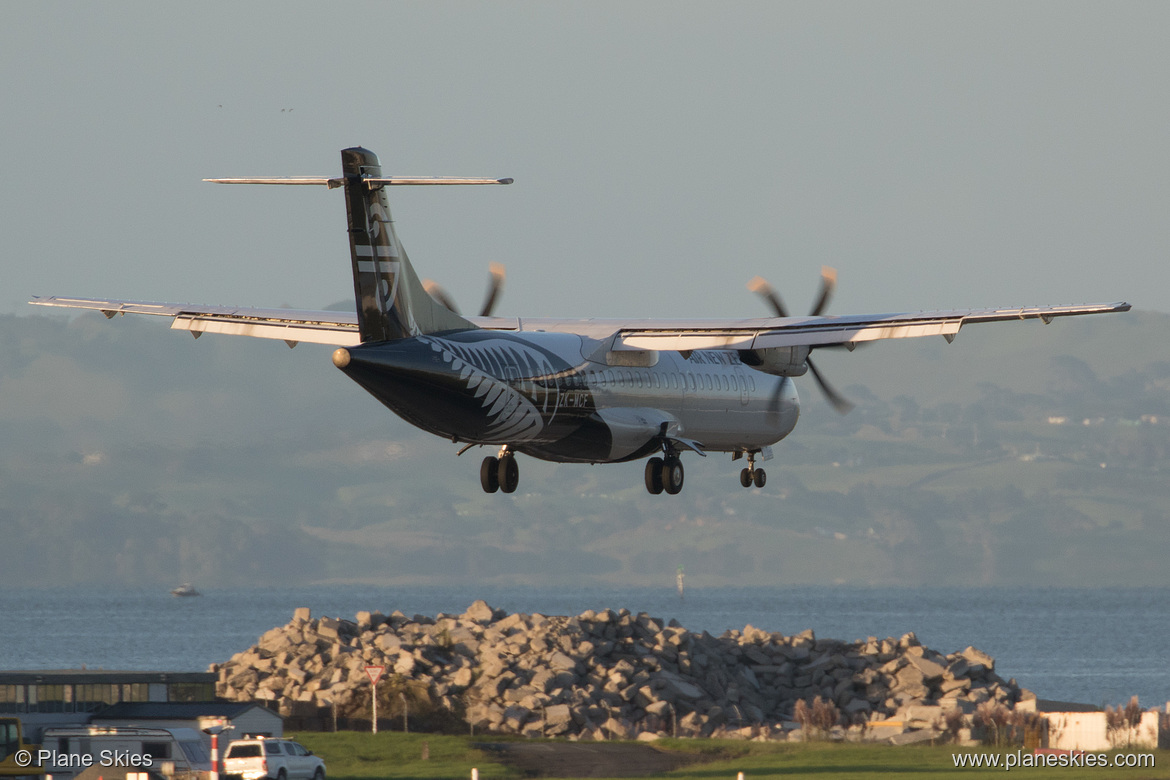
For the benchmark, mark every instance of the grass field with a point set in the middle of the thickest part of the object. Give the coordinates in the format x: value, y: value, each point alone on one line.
x: 353, y: 756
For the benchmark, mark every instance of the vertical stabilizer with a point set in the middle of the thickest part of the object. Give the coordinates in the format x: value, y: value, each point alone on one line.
x: 391, y: 301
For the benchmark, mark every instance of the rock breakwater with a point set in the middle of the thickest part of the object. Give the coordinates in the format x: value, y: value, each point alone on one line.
x: 607, y: 675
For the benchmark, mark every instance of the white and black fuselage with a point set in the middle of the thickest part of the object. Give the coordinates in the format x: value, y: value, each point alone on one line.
x: 539, y: 394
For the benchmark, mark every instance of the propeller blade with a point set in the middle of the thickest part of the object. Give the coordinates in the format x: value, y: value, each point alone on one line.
x: 439, y: 294
x: 838, y: 401
x: 828, y: 284
x: 760, y: 287
x: 495, y: 286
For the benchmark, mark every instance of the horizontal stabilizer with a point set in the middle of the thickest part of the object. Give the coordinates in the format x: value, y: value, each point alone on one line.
x: 371, y: 182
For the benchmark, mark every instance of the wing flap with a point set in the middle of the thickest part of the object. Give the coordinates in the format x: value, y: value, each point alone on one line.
x: 268, y: 329
x: 827, y: 331
x: 316, y: 327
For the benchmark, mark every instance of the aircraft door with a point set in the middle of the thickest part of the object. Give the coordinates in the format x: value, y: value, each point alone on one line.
x: 745, y: 387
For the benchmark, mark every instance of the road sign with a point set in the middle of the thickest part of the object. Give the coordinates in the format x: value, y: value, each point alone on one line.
x: 375, y: 674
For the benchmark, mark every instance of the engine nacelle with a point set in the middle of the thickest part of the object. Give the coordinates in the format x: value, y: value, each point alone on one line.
x: 778, y: 361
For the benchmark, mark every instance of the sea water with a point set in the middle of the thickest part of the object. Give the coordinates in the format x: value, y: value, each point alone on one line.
x: 1095, y: 646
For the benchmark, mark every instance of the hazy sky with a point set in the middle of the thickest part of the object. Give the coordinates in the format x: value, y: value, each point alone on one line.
x: 938, y: 154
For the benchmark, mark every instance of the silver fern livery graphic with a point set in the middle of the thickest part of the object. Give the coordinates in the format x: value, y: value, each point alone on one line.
x: 513, y: 417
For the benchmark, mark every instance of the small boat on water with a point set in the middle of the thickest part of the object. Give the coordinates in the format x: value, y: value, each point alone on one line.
x: 186, y: 589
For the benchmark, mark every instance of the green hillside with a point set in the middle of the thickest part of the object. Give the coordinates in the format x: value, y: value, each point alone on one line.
x: 1019, y: 454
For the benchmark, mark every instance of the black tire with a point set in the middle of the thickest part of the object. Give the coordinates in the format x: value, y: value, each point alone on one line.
x: 509, y: 474
x: 745, y: 477
x: 282, y: 775
x: 489, y: 475
x: 672, y: 476
x: 654, y: 476
x: 759, y: 478
x: 319, y: 774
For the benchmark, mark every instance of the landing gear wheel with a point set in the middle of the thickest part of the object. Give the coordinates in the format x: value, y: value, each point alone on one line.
x: 508, y: 474
x: 759, y: 477
x: 672, y: 476
x: 654, y: 476
x: 489, y: 474
x: 745, y: 478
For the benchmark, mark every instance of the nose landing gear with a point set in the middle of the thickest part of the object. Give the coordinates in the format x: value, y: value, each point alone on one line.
x: 500, y: 473
x: 752, y: 475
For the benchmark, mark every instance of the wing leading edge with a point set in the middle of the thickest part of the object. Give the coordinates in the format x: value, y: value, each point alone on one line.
x: 288, y: 325
x: 340, y: 328
x: 833, y: 331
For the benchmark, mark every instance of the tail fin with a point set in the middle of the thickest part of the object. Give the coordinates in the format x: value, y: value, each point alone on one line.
x: 391, y: 302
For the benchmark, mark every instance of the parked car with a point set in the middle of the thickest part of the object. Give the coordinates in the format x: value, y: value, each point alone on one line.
x: 280, y: 759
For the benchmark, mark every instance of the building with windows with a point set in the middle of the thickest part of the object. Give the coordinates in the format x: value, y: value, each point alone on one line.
x: 70, y: 697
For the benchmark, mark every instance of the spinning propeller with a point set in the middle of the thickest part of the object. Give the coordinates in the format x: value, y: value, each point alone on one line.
x: 761, y: 287
x: 495, y: 285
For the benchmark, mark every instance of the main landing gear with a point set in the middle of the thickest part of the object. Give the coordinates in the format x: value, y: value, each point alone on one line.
x: 500, y: 473
x: 752, y: 475
x: 664, y: 474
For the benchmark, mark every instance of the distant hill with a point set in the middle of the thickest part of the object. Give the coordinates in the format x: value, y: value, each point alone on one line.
x: 1015, y: 356
x: 1019, y: 454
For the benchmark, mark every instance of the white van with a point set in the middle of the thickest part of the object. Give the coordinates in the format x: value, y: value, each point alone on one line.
x: 67, y: 752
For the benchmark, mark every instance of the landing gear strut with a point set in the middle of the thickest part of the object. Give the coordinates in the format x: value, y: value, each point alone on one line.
x: 752, y: 475
x: 500, y: 473
x: 664, y: 474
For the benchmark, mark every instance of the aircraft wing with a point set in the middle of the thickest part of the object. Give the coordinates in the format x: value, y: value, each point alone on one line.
x: 289, y: 325
x: 340, y: 328
x: 771, y: 332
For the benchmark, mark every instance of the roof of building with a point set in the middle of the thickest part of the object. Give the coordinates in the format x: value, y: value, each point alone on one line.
x: 176, y: 710
x: 99, y: 676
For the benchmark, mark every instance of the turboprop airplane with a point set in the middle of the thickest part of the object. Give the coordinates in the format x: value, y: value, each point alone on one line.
x: 563, y: 390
